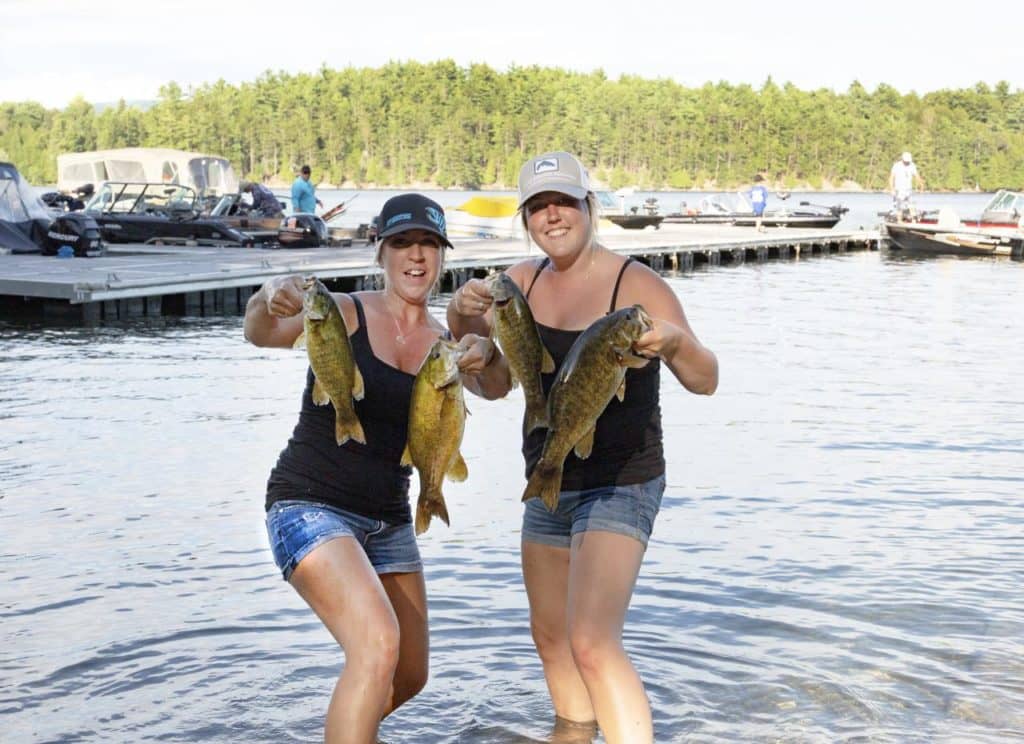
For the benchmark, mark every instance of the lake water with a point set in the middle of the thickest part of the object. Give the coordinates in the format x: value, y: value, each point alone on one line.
x: 839, y: 556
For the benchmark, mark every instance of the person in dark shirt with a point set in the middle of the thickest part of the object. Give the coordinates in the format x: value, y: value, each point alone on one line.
x: 264, y: 203
x: 580, y: 562
x: 338, y: 517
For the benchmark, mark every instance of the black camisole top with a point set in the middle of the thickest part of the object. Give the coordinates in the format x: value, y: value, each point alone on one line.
x: 366, y: 479
x: 627, y: 438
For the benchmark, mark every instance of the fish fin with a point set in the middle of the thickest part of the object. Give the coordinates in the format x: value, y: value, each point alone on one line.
x: 585, y: 446
x: 621, y: 392
x: 547, y: 364
x: 406, y: 456
x: 544, y: 483
x: 358, y: 390
x: 457, y: 470
x: 348, y: 427
x: 320, y: 396
x: 427, y: 507
x: 632, y: 359
x: 300, y: 341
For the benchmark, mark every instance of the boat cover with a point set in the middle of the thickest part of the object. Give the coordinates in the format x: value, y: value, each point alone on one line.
x: 24, y: 218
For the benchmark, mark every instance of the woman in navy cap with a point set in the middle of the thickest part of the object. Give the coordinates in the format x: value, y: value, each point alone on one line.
x: 579, y: 589
x: 338, y: 517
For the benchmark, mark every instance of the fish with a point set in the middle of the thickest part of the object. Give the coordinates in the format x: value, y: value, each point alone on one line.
x: 593, y: 371
x: 516, y: 332
x: 437, y: 420
x: 337, y: 377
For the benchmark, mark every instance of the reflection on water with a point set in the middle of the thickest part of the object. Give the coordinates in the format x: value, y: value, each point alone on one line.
x: 838, y: 556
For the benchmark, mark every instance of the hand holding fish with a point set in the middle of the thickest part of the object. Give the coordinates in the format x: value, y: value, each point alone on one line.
x: 284, y: 296
x: 473, y: 298
x: 477, y: 353
x: 662, y: 340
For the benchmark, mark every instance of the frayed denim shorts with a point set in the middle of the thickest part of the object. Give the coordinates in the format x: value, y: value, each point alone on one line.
x: 295, y: 528
x: 627, y: 510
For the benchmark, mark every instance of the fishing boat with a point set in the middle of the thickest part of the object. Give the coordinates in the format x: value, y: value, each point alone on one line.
x: 997, y: 231
x: 734, y: 209
x: 633, y: 218
x: 158, y: 213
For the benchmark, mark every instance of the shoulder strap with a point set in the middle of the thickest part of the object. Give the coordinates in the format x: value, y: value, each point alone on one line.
x: 618, y: 280
x: 359, y: 310
x: 540, y: 268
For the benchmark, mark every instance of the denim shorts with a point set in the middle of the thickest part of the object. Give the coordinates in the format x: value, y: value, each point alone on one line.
x: 296, y: 527
x: 626, y: 510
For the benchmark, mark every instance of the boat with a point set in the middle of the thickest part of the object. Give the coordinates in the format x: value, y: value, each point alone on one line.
x: 158, y: 213
x: 997, y: 231
x: 633, y: 218
x: 733, y: 209
x: 210, y: 176
x: 919, y: 238
x: 24, y: 218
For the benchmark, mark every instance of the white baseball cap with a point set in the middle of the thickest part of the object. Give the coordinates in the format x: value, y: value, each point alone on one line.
x: 906, y: 157
x: 553, y: 171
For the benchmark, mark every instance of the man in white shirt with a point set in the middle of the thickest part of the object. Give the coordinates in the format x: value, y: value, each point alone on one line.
x: 901, y: 183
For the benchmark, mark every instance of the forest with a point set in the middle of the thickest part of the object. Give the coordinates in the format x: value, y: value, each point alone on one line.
x: 443, y: 125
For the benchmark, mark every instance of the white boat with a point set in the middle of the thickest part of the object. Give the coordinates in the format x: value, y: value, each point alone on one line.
x: 208, y: 175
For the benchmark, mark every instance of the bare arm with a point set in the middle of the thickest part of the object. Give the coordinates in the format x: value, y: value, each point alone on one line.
x: 672, y: 339
x: 467, y: 310
x: 273, y: 315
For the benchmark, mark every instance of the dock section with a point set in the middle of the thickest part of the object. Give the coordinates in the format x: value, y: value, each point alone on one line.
x: 142, y: 280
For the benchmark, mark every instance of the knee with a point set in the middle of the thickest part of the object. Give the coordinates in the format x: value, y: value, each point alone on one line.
x: 550, y: 641
x: 375, y: 656
x: 592, y: 649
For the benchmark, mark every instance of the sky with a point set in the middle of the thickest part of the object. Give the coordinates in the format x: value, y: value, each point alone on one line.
x: 54, y: 50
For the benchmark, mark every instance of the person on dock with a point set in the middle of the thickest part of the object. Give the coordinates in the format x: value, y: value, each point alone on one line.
x: 581, y: 562
x: 902, y: 177
x: 338, y: 517
x: 758, y: 196
x: 304, y: 198
x: 264, y: 203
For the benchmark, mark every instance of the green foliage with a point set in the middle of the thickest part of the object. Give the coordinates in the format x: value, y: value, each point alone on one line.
x: 471, y: 127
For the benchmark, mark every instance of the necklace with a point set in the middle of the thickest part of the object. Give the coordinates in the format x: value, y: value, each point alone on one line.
x: 402, y: 335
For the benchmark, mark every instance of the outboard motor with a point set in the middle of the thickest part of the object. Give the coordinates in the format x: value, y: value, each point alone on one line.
x: 77, y: 231
x: 302, y: 231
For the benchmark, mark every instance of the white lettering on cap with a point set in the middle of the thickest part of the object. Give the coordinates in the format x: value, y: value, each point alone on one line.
x: 543, y: 166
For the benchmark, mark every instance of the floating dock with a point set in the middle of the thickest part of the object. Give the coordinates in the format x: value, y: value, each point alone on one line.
x: 142, y: 280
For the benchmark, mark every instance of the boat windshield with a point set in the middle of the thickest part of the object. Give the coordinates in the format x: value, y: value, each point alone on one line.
x: 1006, y: 202
x: 142, y: 198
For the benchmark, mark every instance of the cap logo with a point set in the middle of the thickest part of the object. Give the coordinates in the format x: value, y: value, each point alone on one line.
x: 544, y: 166
x: 437, y: 218
x: 400, y: 217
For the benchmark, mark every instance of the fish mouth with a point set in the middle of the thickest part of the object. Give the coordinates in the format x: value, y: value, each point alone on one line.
x: 646, y: 322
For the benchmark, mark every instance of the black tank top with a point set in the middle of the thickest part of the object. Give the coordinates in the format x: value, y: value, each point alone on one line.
x: 363, y: 478
x: 627, y: 438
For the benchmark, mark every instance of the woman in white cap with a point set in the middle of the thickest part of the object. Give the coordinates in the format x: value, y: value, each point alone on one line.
x: 579, y: 590
x: 338, y: 517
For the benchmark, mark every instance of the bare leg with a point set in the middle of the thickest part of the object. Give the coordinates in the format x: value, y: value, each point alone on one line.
x: 408, y: 595
x: 602, y: 574
x: 546, y: 575
x: 338, y: 582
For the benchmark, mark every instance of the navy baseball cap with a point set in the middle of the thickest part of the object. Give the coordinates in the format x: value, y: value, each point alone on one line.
x: 412, y: 212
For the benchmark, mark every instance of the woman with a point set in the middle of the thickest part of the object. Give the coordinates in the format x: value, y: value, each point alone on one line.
x: 580, y: 563
x: 338, y: 517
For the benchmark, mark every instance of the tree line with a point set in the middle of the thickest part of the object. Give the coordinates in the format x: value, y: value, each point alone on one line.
x: 444, y: 125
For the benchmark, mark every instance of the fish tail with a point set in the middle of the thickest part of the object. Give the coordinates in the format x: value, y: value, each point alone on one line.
x: 544, y: 483
x: 347, y: 426
x: 428, y: 506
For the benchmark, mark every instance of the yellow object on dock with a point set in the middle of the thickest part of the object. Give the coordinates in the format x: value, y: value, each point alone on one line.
x: 490, y: 206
